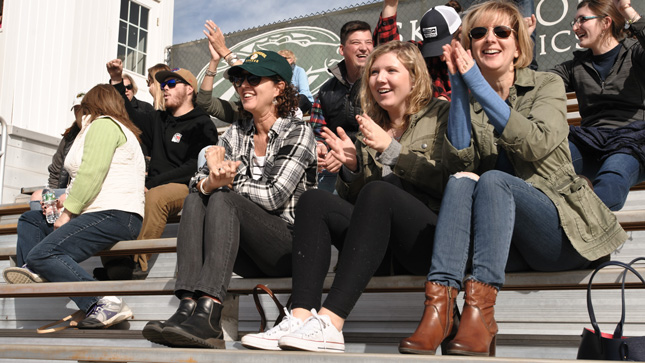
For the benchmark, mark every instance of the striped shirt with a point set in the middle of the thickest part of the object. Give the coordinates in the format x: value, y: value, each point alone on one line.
x: 289, y: 169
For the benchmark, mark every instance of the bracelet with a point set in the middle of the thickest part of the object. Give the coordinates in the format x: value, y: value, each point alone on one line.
x: 231, y: 61
x: 201, y: 188
x: 227, y: 54
x: 210, y: 73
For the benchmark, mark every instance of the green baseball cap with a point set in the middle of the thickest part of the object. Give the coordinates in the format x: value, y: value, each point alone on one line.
x: 263, y: 63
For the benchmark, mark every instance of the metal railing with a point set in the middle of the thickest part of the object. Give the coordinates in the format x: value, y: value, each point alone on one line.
x: 3, y: 151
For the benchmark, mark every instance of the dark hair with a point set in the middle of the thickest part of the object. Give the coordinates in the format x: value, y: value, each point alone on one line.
x: 71, y: 132
x: 286, y: 101
x: 352, y: 26
x: 455, y: 5
x: 606, y: 8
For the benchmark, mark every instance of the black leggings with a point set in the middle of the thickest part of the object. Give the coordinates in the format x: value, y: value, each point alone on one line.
x: 383, y: 216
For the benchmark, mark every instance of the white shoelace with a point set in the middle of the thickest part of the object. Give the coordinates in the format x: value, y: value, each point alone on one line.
x: 287, y: 321
x: 321, y: 324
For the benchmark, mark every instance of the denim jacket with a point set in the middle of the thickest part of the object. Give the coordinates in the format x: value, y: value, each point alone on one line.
x: 535, y: 140
x: 418, y: 165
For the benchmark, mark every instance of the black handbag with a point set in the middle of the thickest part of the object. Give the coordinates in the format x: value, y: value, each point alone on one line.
x: 603, y: 346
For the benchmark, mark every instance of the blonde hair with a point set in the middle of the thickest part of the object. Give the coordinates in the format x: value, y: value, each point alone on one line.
x: 104, y: 100
x: 496, y: 10
x: 420, y: 95
x: 158, y: 96
x: 135, y: 89
x: 286, y: 53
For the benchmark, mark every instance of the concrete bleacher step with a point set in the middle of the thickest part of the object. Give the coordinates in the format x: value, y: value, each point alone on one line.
x: 234, y: 353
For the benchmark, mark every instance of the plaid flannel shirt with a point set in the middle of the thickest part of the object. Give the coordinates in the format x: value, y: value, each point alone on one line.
x: 317, y: 119
x: 386, y: 31
x: 289, y: 170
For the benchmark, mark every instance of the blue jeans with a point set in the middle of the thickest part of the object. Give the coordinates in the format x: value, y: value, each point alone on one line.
x: 327, y: 181
x: 56, y: 254
x: 611, y: 178
x: 497, y: 213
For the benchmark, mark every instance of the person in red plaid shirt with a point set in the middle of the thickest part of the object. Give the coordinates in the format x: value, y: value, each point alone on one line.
x: 438, y: 25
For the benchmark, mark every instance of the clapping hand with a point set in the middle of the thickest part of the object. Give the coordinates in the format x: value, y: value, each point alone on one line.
x: 342, y: 148
x: 374, y: 136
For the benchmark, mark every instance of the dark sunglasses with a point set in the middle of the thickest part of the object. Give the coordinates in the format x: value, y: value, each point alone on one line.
x: 251, y: 78
x: 171, y: 83
x: 500, y: 31
x: 128, y: 87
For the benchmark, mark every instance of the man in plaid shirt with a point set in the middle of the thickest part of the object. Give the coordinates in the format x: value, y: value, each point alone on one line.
x: 438, y: 25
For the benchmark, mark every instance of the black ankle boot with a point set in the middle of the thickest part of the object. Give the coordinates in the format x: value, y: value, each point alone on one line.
x: 152, y: 330
x: 201, y: 330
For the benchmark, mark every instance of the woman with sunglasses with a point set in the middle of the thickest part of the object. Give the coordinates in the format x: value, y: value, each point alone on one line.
x: 514, y: 195
x: 240, y: 212
x: 389, y: 189
x: 609, y: 81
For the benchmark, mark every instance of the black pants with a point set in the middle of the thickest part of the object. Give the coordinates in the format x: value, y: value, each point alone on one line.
x: 226, y: 232
x: 383, y: 216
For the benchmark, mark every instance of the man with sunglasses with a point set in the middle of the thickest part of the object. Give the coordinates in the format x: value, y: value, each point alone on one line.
x: 173, y: 138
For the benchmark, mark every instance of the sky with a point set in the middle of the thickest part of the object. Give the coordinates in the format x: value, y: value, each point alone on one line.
x: 230, y: 16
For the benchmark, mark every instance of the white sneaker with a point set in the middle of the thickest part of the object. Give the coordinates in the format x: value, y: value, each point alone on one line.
x: 269, y: 339
x: 21, y: 275
x: 317, y: 334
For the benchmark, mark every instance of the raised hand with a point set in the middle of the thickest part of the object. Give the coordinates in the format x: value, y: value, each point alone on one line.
x: 216, y: 40
x: 374, y: 136
x: 450, y: 61
x: 531, y: 23
x: 342, y: 147
x: 463, y: 59
x: 214, y: 155
x: 115, y: 70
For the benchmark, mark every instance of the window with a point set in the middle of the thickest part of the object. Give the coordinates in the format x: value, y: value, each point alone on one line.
x: 133, y: 36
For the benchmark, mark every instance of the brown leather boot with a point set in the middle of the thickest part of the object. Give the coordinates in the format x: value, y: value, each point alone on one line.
x: 439, y: 321
x: 477, y: 329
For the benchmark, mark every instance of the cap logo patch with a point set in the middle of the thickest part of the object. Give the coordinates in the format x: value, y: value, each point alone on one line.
x: 253, y: 58
x: 430, y: 32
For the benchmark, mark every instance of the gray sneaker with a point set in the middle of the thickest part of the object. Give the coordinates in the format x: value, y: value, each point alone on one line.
x: 105, y: 313
x: 21, y: 275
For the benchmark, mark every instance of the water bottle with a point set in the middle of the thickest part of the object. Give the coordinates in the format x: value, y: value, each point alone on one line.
x: 49, y: 205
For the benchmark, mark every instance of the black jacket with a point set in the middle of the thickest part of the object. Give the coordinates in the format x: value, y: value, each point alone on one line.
x: 173, y: 142
x: 340, y: 101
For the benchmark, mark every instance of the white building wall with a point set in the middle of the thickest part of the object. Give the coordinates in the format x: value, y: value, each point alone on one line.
x: 49, y: 52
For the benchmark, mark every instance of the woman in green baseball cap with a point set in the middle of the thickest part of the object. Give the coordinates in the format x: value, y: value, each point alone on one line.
x: 239, y: 215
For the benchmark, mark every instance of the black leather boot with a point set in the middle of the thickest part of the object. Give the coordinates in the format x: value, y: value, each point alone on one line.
x: 201, y: 330
x: 152, y: 330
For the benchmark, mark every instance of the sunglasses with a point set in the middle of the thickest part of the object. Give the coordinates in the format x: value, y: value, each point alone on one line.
x: 128, y: 87
x: 171, y: 83
x: 251, y: 78
x: 500, y: 31
x: 583, y: 19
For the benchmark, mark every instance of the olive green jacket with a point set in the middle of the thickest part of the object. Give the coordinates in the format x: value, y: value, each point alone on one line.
x: 535, y: 140
x: 418, y: 167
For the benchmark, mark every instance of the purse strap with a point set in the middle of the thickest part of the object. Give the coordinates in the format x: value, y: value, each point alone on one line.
x: 619, y: 328
x: 73, y: 319
x: 592, y: 316
x: 258, y: 305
